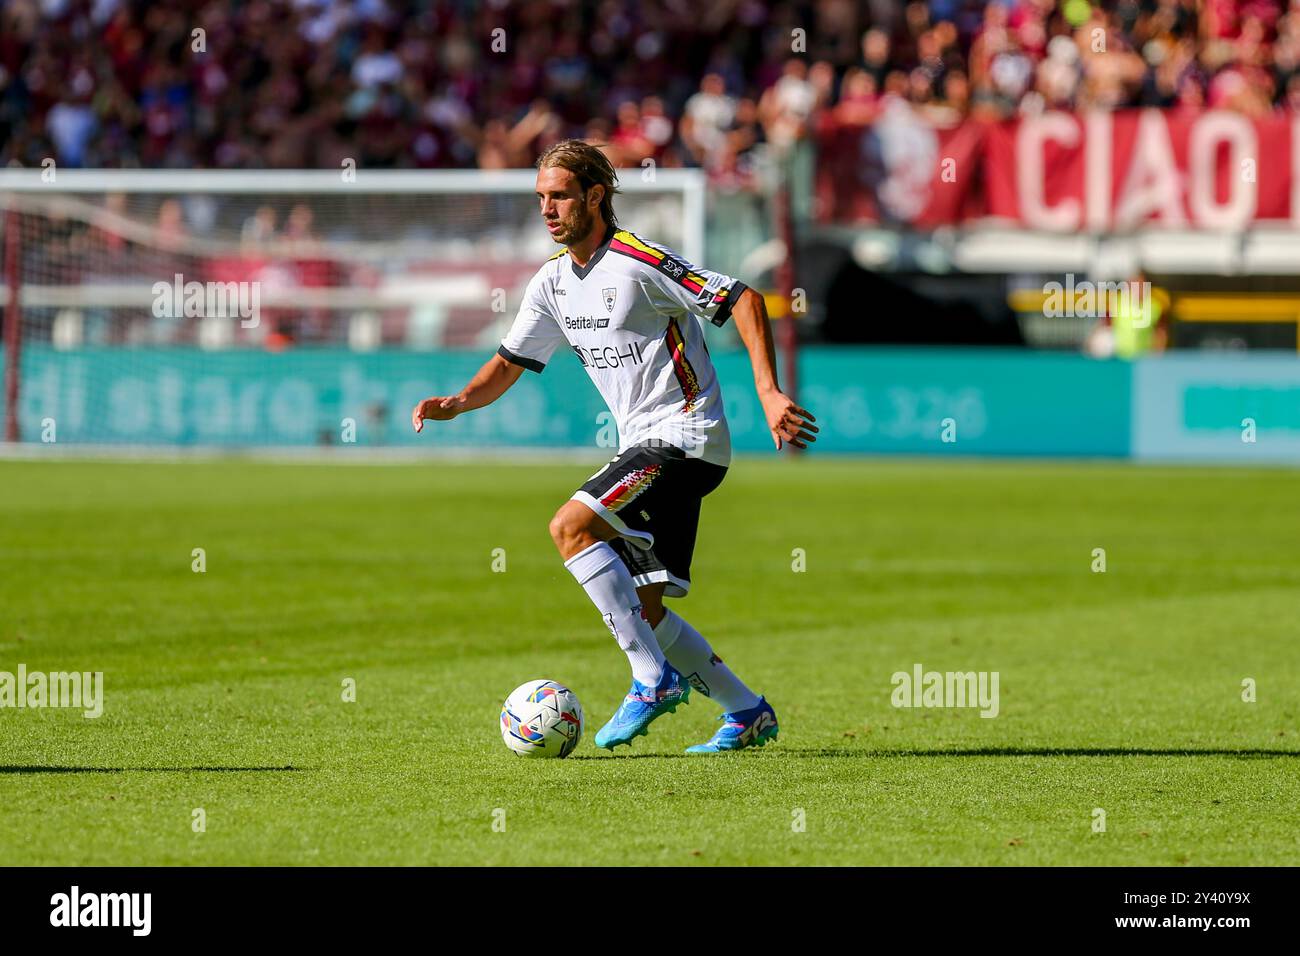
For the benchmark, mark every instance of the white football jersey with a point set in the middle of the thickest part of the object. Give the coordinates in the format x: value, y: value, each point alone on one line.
x: 629, y: 317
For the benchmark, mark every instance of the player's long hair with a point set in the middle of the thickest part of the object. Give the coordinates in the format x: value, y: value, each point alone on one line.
x: 591, y: 167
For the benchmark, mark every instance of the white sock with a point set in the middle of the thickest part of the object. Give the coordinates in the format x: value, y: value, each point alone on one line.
x: 688, y: 651
x: 608, y: 583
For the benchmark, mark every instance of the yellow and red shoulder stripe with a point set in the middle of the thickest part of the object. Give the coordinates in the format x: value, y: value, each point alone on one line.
x: 628, y: 244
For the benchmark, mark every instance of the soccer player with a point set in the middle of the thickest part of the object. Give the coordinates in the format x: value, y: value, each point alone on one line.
x: 626, y: 307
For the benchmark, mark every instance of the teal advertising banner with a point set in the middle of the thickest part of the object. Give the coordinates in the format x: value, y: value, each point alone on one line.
x: 963, y: 402
x: 1236, y: 408
x: 876, y: 400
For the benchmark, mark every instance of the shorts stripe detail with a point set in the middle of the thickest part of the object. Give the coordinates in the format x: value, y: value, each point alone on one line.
x: 631, y: 486
x: 686, y: 376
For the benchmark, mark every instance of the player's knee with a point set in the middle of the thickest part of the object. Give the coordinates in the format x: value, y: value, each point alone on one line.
x: 653, y: 613
x: 568, y: 531
x: 652, y: 603
x: 559, y: 528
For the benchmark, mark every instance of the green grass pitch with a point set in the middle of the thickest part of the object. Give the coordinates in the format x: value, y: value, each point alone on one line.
x: 1120, y: 690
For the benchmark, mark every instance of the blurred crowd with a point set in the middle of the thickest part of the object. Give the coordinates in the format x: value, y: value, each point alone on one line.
x: 490, y: 83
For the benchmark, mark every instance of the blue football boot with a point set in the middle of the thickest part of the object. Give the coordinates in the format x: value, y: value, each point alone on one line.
x: 745, y: 728
x: 641, y: 706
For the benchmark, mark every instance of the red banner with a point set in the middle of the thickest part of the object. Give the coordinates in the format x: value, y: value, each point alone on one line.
x: 1061, y: 172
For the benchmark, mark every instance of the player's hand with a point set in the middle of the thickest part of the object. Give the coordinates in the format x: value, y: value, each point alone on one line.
x: 438, y: 409
x: 787, y: 421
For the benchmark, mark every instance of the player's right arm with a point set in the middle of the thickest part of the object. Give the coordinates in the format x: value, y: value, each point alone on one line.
x: 531, y: 341
x: 487, y: 385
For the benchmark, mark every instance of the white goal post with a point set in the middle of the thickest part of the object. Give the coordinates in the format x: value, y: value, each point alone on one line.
x: 110, y: 265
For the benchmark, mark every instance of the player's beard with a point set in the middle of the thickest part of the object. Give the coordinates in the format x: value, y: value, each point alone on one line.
x: 576, y: 228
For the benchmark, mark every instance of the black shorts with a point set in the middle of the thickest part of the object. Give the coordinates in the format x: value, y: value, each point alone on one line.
x: 651, y: 496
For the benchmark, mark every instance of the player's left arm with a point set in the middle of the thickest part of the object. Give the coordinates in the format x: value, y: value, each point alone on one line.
x: 787, y: 421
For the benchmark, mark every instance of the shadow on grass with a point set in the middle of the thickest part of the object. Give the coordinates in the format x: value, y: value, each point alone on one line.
x: 1245, y: 753
x: 641, y: 756
x: 11, y: 769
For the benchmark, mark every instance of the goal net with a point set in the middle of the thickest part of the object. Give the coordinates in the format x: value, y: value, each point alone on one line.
x: 196, y: 308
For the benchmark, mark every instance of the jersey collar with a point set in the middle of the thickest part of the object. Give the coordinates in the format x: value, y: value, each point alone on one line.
x: 583, y: 271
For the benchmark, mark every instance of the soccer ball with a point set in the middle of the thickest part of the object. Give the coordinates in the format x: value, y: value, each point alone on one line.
x: 541, y: 719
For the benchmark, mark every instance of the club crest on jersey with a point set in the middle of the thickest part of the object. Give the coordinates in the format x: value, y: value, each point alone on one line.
x: 610, y: 295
